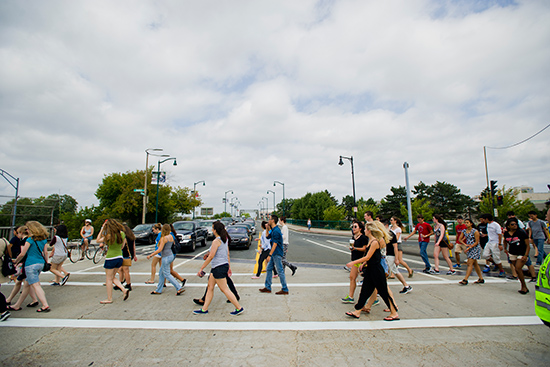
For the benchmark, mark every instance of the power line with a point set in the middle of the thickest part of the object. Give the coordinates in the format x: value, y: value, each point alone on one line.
x: 521, y: 142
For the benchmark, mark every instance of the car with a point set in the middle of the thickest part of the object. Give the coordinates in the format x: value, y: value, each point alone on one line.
x: 190, y: 234
x: 239, y: 237
x: 253, y: 223
x: 226, y: 221
x: 247, y: 226
x: 207, y: 224
x: 144, y: 234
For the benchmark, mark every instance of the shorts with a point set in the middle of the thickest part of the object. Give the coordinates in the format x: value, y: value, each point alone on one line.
x: 515, y: 257
x: 113, y: 263
x: 399, y: 248
x: 126, y: 261
x: 220, y: 272
x: 87, y: 238
x: 33, y: 273
x: 492, y: 250
x: 57, y: 259
x: 460, y: 248
x: 474, y: 253
x: 391, y: 264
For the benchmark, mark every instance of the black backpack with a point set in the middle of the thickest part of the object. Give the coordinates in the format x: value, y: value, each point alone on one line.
x: 176, y: 246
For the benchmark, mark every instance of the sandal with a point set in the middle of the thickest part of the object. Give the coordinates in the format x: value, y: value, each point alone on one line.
x: 350, y: 314
x: 14, y: 309
x: 43, y: 309
x: 391, y: 318
x: 105, y: 302
x: 126, y: 295
x: 33, y: 304
x: 463, y: 282
x: 149, y: 282
x: 479, y: 281
x: 180, y: 292
x: 155, y: 292
x: 365, y: 310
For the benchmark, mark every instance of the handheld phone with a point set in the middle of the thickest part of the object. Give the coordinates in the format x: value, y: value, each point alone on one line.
x: 202, y: 273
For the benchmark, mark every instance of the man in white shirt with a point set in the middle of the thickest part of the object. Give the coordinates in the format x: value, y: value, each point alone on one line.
x: 494, y: 244
x: 284, y: 230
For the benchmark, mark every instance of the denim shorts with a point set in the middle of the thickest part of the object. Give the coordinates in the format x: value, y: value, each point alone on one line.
x: 220, y: 272
x: 33, y: 272
x: 113, y: 263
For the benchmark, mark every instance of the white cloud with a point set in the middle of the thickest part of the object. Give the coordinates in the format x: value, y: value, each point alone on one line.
x: 245, y: 93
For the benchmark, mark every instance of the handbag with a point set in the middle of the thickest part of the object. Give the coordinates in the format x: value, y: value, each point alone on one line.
x: 8, y: 268
x: 47, y: 265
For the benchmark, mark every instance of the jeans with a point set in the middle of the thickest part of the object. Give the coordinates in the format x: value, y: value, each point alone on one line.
x: 539, y: 244
x: 263, y: 256
x: 277, y: 262
x: 164, y: 272
x: 424, y: 254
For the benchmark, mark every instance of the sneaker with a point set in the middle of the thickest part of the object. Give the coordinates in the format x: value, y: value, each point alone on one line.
x: 451, y: 272
x: 128, y: 286
x: 55, y: 283
x: 406, y: 290
x: 487, y: 269
x: 501, y: 274
x: 533, y: 280
x: 255, y: 277
x: 495, y: 268
x: 456, y: 266
x: 347, y: 269
x: 200, y: 312
x: 511, y: 277
x: 376, y: 303
x: 426, y: 271
x: 433, y: 271
x: 294, y: 269
x: 65, y: 278
x: 348, y: 299
x: 5, y: 315
x: 236, y: 312
x: 199, y: 302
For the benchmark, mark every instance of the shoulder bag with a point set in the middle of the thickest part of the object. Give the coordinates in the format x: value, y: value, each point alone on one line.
x: 47, y: 265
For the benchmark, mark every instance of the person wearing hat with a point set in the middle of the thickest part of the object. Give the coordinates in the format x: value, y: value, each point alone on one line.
x: 87, y: 234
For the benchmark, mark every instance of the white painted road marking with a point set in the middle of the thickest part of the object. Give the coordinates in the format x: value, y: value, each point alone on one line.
x: 270, y: 326
x: 331, y: 248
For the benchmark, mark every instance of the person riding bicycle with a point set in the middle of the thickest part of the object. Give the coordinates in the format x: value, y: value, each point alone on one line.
x: 87, y: 234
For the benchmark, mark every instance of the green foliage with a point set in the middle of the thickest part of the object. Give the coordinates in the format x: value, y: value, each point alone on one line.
x: 75, y: 222
x: 447, y: 200
x: 347, y: 204
x: 46, y: 210
x: 221, y: 215
x: 418, y: 206
x: 334, y: 213
x: 366, y: 205
x: 509, y: 203
x: 117, y: 199
x: 391, y: 204
x: 245, y: 215
x: 287, y: 204
x: 313, y: 205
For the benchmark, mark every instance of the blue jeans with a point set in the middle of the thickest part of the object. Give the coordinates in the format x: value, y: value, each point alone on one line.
x: 164, y: 272
x: 539, y: 244
x: 277, y: 262
x: 424, y: 254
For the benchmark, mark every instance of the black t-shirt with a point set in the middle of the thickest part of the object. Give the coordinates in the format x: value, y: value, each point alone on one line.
x: 516, y: 242
x: 482, y: 228
x: 390, y: 251
x: 15, y: 247
x: 362, y: 241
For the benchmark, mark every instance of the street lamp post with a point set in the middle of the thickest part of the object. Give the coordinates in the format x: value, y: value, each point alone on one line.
x: 267, y: 204
x: 147, y: 174
x: 225, y: 201
x: 9, y: 177
x: 158, y: 179
x: 195, y: 193
x: 341, y: 163
x: 284, y: 203
x: 273, y: 192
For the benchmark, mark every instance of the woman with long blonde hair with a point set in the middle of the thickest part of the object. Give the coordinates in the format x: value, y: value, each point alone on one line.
x: 37, y: 253
x: 167, y: 257
x: 112, y: 235
x: 373, y: 272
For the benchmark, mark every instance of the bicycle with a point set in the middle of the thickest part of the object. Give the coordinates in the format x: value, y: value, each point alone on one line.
x: 90, y: 252
x: 74, y: 251
x: 100, y: 254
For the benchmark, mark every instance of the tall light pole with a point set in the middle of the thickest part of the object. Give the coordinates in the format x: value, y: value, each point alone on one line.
x: 225, y: 200
x: 267, y: 203
x: 195, y: 193
x: 341, y: 163
x: 273, y: 192
x: 10, y: 178
x: 158, y: 179
x: 146, y: 175
x: 409, y: 207
x: 284, y: 204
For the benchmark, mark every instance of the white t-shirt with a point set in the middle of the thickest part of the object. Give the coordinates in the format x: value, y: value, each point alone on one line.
x: 493, y: 230
x: 284, y: 230
x: 264, y: 242
x: 396, y: 231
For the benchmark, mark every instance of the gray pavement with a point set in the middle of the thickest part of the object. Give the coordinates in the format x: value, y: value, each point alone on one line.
x: 306, y: 328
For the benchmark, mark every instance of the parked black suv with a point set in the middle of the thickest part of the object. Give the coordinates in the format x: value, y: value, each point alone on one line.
x: 189, y: 234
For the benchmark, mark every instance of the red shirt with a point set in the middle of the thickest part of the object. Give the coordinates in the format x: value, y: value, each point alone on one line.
x: 423, y: 229
x: 459, y: 229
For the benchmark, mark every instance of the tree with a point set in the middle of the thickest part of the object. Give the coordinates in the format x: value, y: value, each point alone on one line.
x: 287, y: 204
x: 418, y: 206
x: 509, y: 203
x: 390, y: 205
x: 313, y: 205
x: 347, y: 204
x: 334, y: 213
x: 421, y: 190
x: 447, y: 200
x: 46, y: 210
x: 221, y: 215
x: 366, y: 205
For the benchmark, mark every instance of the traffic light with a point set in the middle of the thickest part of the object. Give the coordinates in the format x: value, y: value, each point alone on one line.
x: 500, y: 200
x: 493, y: 188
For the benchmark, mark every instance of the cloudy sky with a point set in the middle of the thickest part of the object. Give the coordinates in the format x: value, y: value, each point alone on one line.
x: 247, y: 92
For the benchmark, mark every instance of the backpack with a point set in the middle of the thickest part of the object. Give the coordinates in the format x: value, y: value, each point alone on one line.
x: 176, y: 246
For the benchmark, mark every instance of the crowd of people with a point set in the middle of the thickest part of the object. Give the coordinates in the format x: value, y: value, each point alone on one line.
x: 375, y: 249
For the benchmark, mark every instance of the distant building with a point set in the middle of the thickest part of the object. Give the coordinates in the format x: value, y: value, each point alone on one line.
x: 537, y: 198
